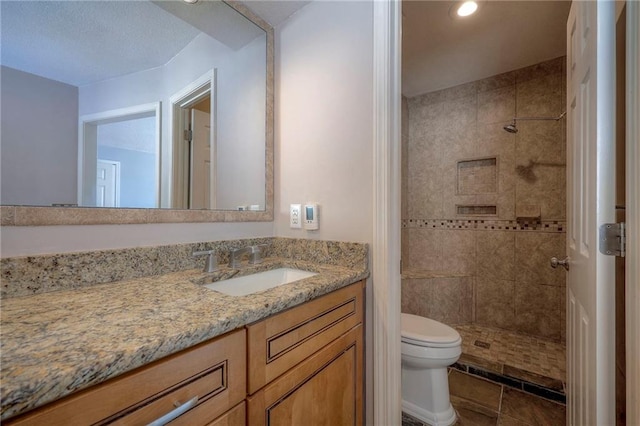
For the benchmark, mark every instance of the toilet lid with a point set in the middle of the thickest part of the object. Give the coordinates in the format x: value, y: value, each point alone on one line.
x: 421, y: 331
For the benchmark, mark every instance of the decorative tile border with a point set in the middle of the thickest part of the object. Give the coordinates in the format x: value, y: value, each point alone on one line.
x: 487, y: 224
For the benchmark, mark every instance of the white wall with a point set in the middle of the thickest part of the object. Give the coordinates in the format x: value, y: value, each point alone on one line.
x: 324, y: 132
x: 39, y: 137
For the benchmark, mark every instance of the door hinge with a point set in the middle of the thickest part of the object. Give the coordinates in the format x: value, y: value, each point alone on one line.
x: 188, y: 135
x: 613, y: 239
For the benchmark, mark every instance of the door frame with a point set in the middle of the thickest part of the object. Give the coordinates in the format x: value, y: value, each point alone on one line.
x: 632, y: 211
x: 387, y: 51
x: 88, y: 144
x: 177, y: 195
x: 386, y: 283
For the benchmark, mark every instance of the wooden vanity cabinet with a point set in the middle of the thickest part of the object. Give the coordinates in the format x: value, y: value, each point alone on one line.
x: 214, y: 372
x: 306, y: 364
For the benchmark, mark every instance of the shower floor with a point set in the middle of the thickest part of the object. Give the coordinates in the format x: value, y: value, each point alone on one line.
x: 527, y: 363
x: 506, y: 378
x: 543, y: 357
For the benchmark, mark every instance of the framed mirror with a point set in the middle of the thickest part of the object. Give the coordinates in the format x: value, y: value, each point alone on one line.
x: 135, y: 112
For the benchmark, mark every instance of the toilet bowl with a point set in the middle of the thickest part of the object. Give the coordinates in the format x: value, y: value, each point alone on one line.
x: 428, y: 348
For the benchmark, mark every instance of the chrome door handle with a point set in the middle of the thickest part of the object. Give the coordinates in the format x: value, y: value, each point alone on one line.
x: 564, y: 263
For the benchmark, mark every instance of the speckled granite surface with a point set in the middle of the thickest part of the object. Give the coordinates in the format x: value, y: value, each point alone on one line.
x: 56, y: 343
x: 22, y: 276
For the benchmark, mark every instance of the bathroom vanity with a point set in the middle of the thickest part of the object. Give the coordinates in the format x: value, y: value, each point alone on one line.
x: 166, y: 345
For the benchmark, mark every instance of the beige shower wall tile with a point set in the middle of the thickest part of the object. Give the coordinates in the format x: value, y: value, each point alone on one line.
x: 451, y: 93
x: 541, y: 69
x: 425, y: 191
x: 541, y: 142
x: 427, y: 121
x: 494, y: 302
x: 547, y: 191
x: 494, y: 141
x: 497, y: 81
x: 415, y: 296
x: 451, y: 300
x: 534, y: 251
x: 540, y: 170
x: 423, y: 248
x: 497, y: 106
x: 458, y: 251
x: 537, y: 310
x: 540, y: 97
x: 495, y: 255
x: 459, y: 145
x: 460, y: 113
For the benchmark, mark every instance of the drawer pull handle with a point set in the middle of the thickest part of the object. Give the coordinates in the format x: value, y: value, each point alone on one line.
x: 175, y: 413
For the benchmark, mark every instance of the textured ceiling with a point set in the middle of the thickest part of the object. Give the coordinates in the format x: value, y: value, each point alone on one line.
x: 440, y: 52
x: 82, y: 42
x: 275, y: 12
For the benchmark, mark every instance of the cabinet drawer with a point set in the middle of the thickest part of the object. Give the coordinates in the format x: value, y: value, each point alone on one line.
x: 325, y: 389
x: 279, y: 342
x: 214, y: 371
x: 234, y: 417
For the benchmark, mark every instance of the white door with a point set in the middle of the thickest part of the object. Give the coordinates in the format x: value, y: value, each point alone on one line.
x: 591, y: 187
x: 108, y: 183
x: 201, y: 182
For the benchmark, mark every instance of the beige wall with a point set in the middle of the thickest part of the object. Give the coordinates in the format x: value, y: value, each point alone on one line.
x: 492, y: 269
x: 324, y: 139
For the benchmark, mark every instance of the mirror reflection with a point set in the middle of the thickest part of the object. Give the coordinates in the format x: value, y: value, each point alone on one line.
x: 132, y: 104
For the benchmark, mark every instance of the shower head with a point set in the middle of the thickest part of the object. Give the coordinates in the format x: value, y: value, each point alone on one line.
x: 511, y: 128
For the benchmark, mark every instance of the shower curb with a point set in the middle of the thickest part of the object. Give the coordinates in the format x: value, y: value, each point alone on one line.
x: 514, y: 382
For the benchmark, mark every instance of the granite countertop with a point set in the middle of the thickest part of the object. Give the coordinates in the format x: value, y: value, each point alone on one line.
x: 57, y: 343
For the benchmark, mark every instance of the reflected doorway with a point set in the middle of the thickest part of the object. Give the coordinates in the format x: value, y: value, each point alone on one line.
x: 194, y: 145
x: 200, y: 170
x: 119, y: 161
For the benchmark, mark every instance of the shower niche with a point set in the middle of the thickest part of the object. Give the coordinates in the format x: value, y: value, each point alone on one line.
x: 478, y: 176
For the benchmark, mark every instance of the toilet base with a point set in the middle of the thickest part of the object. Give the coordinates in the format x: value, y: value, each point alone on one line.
x: 443, y: 418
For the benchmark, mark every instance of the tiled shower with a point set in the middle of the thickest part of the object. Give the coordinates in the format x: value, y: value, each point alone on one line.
x: 483, y: 210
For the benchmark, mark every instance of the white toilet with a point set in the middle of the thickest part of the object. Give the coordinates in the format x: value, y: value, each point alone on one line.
x: 428, y: 348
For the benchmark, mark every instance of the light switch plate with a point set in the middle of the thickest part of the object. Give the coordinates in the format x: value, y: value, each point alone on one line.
x: 295, y: 216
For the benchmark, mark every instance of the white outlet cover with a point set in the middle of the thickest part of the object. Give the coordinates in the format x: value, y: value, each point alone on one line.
x: 295, y: 216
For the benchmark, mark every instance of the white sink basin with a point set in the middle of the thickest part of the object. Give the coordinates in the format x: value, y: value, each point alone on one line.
x: 241, y: 286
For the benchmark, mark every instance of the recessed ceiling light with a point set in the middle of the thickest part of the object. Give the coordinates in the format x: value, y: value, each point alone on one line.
x: 467, y: 8
x: 190, y: 1
x: 461, y: 9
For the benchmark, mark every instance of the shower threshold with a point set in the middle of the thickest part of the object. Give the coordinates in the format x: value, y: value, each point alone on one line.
x: 523, y: 362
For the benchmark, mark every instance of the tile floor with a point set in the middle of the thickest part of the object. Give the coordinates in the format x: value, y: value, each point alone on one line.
x: 525, y: 376
x: 480, y: 402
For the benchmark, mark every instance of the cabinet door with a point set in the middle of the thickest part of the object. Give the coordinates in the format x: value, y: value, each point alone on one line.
x: 325, y: 389
x: 281, y: 341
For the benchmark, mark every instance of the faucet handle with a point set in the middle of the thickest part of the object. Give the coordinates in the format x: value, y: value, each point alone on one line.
x: 211, y: 264
x: 256, y: 253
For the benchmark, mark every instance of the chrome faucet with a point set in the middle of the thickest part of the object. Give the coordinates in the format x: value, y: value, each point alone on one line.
x: 211, y: 264
x: 255, y: 257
